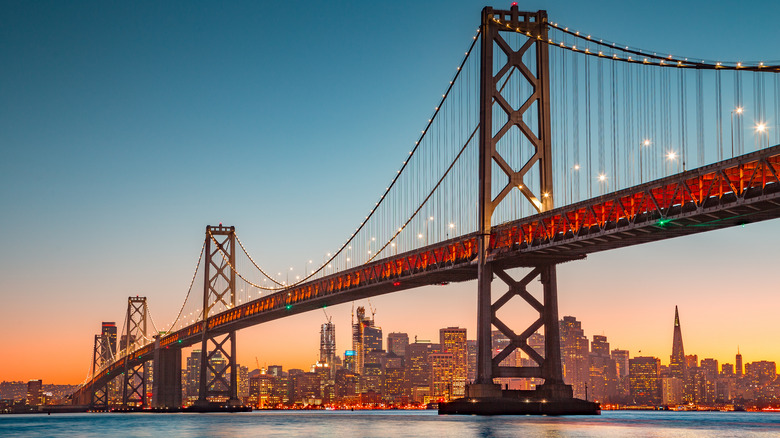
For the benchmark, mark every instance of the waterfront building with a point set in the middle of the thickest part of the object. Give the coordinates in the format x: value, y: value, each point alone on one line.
x: 418, y: 372
x: 346, y: 385
x: 394, y: 382
x: 242, y: 380
x: 644, y: 383
x: 453, y: 341
x: 575, y: 355
x: 442, y: 366
x: 603, y: 379
x: 34, y: 392
x: 671, y: 391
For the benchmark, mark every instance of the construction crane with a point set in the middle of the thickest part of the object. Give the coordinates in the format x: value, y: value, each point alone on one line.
x: 329, y: 318
x: 257, y: 361
x: 372, y: 308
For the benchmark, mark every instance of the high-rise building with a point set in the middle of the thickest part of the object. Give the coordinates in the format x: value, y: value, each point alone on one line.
x: 453, y: 341
x: 365, y: 337
x: 394, y: 387
x: 328, y: 347
x: 603, y: 372
x: 621, y: 361
x: 346, y: 385
x: 34, y: 392
x: 739, y: 363
x: 350, y: 362
x: 677, y: 366
x: 397, y: 344
x: 575, y: 355
x: 644, y: 380
x: 193, y: 375
x: 471, y: 367
x: 418, y: 371
x: 442, y: 368
x: 242, y: 381
x: 108, y: 329
x: 671, y: 391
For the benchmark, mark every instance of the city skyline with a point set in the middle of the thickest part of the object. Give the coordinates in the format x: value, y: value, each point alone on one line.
x: 105, y: 194
x: 406, y: 372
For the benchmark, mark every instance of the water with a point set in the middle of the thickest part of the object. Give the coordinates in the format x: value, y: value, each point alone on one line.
x: 344, y: 424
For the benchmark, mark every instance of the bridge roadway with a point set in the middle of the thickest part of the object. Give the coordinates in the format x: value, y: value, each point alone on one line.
x: 733, y: 192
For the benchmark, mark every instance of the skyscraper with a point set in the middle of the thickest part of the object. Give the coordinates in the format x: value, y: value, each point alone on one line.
x: 453, y: 341
x: 739, y: 363
x: 471, y: 367
x: 397, y: 343
x: 109, y: 330
x: 575, y: 355
x: 645, y: 383
x: 193, y: 375
x: 677, y: 360
x: 365, y: 337
x: 328, y: 347
x: 442, y: 375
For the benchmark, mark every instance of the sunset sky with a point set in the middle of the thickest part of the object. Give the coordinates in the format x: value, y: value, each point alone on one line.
x: 127, y: 127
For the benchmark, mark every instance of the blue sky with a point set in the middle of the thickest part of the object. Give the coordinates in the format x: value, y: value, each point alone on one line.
x: 126, y: 128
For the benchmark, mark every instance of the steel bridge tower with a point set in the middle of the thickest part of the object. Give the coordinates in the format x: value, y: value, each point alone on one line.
x: 135, y: 377
x: 484, y: 396
x: 219, y: 287
x: 101, y: 353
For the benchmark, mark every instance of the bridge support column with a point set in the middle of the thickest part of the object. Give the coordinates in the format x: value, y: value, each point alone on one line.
x: 218, y: 371
x: 484, y: 396
x: 166, y: 389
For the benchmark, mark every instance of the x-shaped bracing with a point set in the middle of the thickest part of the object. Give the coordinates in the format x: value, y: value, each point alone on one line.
x: 219, y: 375
x: 517, y: 288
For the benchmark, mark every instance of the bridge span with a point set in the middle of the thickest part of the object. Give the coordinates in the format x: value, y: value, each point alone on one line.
x: 731, y: 193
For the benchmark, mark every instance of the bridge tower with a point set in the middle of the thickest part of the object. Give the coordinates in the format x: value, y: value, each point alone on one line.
x: 134, y: 388
x: 101, y: 353
x: 219, y: 287
x: 531, y: 60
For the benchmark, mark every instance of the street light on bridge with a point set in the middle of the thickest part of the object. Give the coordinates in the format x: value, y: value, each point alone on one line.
x: 738, y: 110
x: 670, y: 157
x: 644, y: 144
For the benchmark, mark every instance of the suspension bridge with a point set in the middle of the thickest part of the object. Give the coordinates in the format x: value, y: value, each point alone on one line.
x: 548, y: 144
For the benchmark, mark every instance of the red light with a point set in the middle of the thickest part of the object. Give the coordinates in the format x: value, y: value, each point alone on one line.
x: 514, y: 3
x: 396, y: 283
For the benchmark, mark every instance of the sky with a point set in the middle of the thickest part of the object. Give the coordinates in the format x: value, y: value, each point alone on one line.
x: 126, y: 128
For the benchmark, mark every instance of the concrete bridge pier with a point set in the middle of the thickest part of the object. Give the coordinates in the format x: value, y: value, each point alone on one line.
x: 166, y: 388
